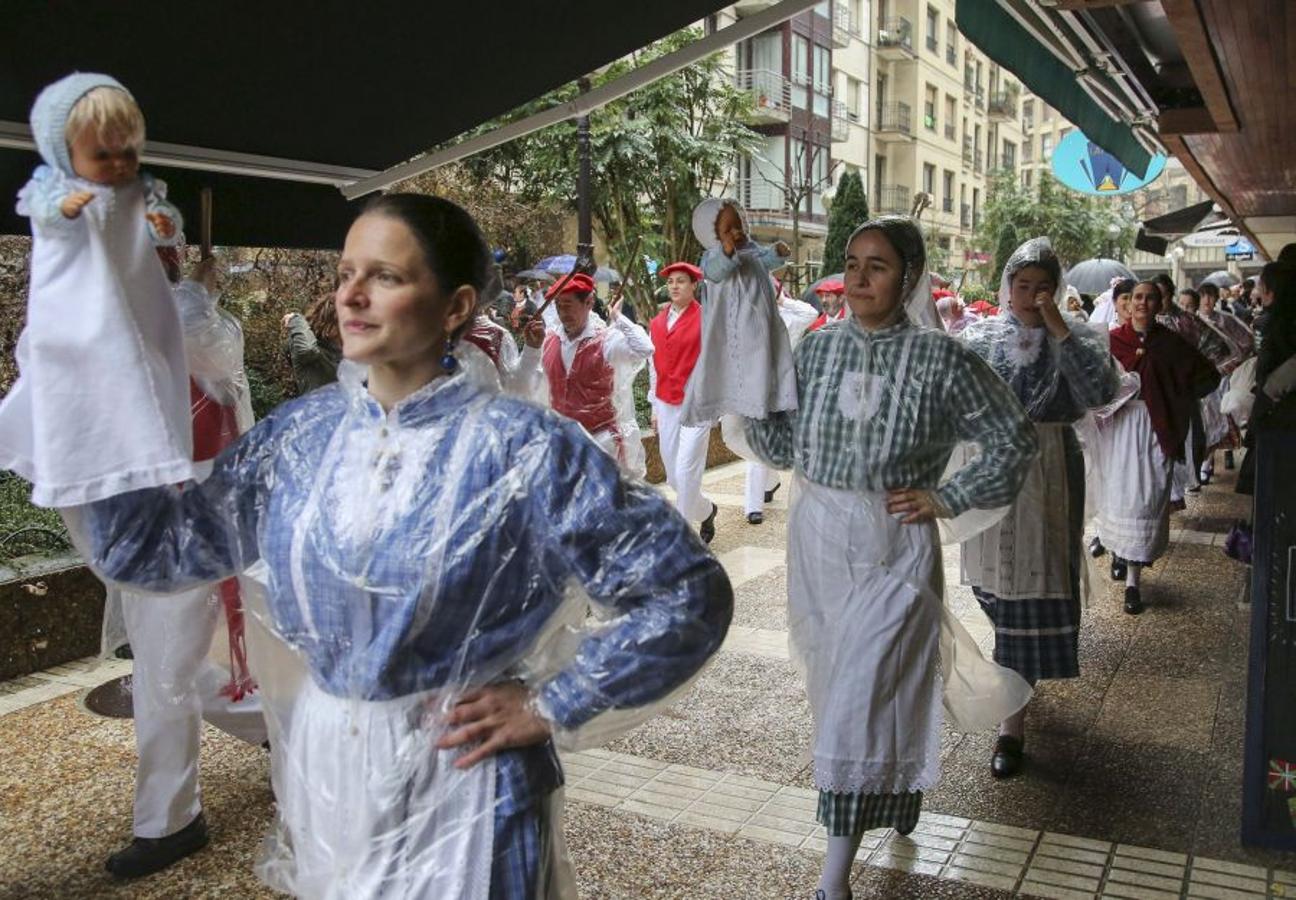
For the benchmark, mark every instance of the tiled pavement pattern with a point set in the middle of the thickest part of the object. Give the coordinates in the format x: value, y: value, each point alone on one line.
x: 1131, y: 791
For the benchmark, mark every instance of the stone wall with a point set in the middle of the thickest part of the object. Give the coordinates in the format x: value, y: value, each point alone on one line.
x: 51, y: 612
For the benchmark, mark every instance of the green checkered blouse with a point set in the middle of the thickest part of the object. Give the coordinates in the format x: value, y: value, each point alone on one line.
x: 883, y: 410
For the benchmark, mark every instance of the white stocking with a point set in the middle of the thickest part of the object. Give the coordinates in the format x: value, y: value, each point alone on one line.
x: 835, y: 880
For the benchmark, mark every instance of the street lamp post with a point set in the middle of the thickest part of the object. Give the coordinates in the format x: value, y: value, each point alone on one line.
x: 584, y: 219
x: 1113, y: 235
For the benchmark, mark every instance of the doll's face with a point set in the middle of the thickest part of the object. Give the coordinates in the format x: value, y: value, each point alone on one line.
x: 729, y: 227
x: 104, y: 160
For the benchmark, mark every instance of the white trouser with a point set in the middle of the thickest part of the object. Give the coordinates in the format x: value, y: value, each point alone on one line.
x: 683, y: 452
x: 760, y: 480
x: 174, y: 688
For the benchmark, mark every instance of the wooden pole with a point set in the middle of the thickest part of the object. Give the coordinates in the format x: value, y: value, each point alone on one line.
x: 205, y: 224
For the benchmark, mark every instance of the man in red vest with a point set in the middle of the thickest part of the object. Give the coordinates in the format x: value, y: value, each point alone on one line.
x: 677, y: 341
x: 586, y: 362
x: 832, y: 294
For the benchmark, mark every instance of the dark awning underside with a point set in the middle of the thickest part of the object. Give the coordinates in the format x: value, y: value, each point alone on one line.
x: 334, y: 83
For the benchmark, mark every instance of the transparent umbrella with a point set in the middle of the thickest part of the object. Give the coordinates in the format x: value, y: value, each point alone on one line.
x: 1221, y: 279
x: 1093, y: 276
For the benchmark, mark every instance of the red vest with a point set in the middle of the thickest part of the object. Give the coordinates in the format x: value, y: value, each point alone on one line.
x: 675, y: 351
x: 215, y: 427
x: 585, y: 392
x: 823, y: 319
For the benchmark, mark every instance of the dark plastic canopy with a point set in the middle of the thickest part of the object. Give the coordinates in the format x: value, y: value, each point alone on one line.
x: 328, y: 82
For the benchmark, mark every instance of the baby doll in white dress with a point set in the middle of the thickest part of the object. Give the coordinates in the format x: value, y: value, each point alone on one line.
x: 745, y: 367
x: 96, y: 282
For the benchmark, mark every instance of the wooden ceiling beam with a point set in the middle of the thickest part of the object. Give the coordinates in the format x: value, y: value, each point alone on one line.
x: 1193, y: 120
x: 1199, y: 51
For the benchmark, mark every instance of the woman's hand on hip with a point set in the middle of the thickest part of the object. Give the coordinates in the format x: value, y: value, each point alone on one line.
x: 501, y: 717
x: 914, y: 506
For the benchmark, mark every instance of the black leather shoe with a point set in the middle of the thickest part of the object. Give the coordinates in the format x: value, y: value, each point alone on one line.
x: 769, y: 495
x: 1096, y: 548
x: 755, y: 518
x: 708, y: 525
x: 144, y: 856
x: 1133, y: 601
x: 1118, y: 568
x: 1007, y: 759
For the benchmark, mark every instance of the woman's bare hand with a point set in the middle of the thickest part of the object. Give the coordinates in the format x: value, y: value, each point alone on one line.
x: 501, y: 717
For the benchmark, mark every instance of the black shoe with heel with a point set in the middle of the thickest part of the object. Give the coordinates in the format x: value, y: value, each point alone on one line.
x: 707, y: 531
x: 1133, y: 601
x: 769, y: 495
x: 1007, y: 759
x: 1118, y: 568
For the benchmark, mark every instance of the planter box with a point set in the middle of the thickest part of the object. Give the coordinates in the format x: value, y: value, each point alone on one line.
x: 51, y: 612
x: 717, y: 455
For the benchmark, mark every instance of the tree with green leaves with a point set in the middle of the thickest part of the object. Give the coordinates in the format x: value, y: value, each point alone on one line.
x: 1076, y: 223
x: 656, y: 153
x: 849, y: 210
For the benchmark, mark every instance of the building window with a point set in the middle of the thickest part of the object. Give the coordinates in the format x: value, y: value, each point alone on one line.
x: 1028, y: 177
x: 800, y: 71
x: 951, y: 43
x: 822, y: 80
x: 933, y: 29
x: 929, y: 108
x: 1028, y: 149
x: 1028, y: 115
x: 929, y: 179
x: 1046, y: 148
x: 947, y: 194
x: 1046, y: 113
x: 822, y: 8
x: 852, y: 99
x: 1009, y: 155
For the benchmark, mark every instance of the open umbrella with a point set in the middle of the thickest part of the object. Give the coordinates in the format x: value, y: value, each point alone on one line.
x: 534, y: 275
x: 1093, y: 276
x: 1221, y: 279
x: 605, y: 275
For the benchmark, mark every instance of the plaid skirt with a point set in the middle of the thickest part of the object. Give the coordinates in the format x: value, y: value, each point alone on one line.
x: 852, y: 814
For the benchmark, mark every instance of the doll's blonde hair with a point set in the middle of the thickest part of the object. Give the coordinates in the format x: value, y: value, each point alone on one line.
x: 113, y: 115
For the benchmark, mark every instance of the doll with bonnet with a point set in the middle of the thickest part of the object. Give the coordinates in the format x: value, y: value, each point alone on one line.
x: 96, y: 283
x: 745, y: 366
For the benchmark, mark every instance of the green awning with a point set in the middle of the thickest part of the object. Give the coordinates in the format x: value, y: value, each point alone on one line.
x: 1003, y: 39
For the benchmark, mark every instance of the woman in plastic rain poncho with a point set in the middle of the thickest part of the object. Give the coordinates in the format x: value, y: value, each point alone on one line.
x: 417, y: 536
x: 881, y: 405
x: 1025, y: 570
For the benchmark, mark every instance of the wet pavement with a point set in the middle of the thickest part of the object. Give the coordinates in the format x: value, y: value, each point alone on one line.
x: 1132, y: 787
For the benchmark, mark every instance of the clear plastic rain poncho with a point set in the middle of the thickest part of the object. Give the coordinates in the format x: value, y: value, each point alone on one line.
x: 393, y: 563
x: 879, y: 410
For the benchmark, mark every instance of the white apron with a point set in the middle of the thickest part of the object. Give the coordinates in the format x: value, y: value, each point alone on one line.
x: 98, y: 290
x: 869, y: 627
x: 1027, y: 554
x: 1132, y: 491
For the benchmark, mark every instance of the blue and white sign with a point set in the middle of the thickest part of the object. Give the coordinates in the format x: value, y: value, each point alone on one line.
x: 1083, y: 166
x: 1242, y: 250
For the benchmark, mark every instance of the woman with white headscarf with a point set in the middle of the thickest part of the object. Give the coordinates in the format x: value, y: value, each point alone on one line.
x: 881, y: 405
x: 1025, y: 569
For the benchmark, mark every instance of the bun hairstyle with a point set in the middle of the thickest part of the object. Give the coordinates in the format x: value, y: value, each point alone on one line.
x: 452, y: 244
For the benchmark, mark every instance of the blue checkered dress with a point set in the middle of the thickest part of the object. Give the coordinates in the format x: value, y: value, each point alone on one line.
x: 426, y: 548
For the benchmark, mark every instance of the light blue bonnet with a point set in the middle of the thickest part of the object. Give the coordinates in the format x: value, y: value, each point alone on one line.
x: 50, y: 113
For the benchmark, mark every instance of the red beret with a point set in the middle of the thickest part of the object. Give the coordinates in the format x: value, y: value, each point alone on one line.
x: 579, y: 284
x: 688, y: 269
x: 830, y: 286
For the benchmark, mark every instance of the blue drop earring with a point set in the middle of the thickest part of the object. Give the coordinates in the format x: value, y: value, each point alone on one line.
x: 448, y: 361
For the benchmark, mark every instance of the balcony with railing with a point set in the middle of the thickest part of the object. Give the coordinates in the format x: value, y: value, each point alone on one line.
x: 951, y: 131
x: 844, y: 28
x: 840, y: 121
x: 965, y: 215
x: 933, y: 44
x: 967, y: 150
x: 771, y: 95
x: 978, y: 162
x: 894, y: 122
x: 766, y: 205
x: 895, y: 38
x: 951, y: 55
x: 969, y: 80
x: 894, y: 199
x: 947, y: 204
x: 1003, y: 105
x: 1008, y: 161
